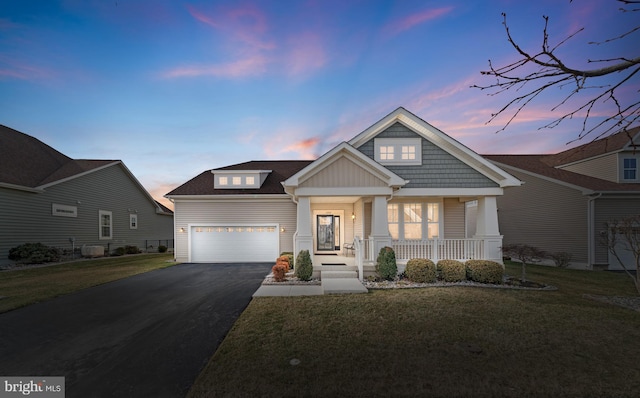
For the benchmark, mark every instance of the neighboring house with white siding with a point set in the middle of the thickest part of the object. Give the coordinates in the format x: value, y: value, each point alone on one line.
x: 400, y: 183
x: 49, y: 198
x: 567, y: 197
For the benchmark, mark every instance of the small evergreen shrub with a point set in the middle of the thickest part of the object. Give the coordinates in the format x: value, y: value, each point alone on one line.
x: 451, y: 271
x: 386, y: 265
x: 304, y: 267
x: 484, y: 271
x: 162, y: 249
x: 119, y: 251
x: 279, y: 271
x: 420, y: 270
x: 290, y: 256
x: 131, y: 249
x: 34, y: 253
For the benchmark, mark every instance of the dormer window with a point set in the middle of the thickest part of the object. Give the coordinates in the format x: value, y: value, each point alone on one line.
x: 239, y: 179
x: 398, y: 151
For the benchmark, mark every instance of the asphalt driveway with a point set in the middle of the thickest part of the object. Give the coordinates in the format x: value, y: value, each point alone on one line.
x: 147, y: 335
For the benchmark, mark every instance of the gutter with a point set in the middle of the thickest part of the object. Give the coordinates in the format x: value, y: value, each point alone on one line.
x: 591, y: 229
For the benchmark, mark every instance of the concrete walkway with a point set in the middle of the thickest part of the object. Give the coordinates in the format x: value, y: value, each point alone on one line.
x: 332, y: 282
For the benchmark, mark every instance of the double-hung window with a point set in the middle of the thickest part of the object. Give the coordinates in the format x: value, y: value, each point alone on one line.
x: 630, y: 169
x: 105, y: 220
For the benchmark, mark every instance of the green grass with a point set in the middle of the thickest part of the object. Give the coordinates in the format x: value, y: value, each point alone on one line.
x: 28, y: 286
x: 449, y: 341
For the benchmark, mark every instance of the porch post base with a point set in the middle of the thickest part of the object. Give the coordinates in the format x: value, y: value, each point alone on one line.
x: 492, y: 246
x: 378, y: 242
x: 303, y: 243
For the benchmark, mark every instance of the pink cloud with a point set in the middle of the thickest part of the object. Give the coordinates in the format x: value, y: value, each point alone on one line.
x: 306, y: 148
x: 306, y: 54
x: 247, y: 25
x: 401, y: 25
x: 11, y: 69
x: 253, y: 66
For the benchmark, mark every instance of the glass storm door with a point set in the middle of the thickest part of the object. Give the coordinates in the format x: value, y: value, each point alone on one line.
x: 328, y: 232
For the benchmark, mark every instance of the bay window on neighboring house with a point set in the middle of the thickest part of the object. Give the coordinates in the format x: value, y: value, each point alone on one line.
x: 105, y: 220
x: 413, y: 221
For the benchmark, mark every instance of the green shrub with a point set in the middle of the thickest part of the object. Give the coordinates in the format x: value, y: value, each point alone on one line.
x: 484, y: 271
x: 118, y: 251
x: 279, y: 271
x: 290, y: 255
x: 420, y: 270
x: 451, y: 271
x: 162, y: 249
x: 131, y: 249
x: 34, y: 253
x: 304, y: 267
x: 386, y: 265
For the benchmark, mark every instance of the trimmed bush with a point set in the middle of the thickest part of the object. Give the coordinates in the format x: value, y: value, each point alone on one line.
x: 118, y: 251
x: 284, y: 261
x: 290, y: 256
x: 420, y: 270
x: 386, y: 266
x: 279, y: 271
x: 131, y: 249
x: 484, y: 271
x: 162, y: 249
x: 34, y: 253
x: 304, y: 267
x: 451, y: 271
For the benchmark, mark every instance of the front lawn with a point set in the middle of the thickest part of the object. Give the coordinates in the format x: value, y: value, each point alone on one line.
x: 447, y: 341
x: 23, y: 287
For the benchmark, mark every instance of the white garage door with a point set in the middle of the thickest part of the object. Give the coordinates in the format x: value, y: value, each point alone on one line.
x: 251, y: 243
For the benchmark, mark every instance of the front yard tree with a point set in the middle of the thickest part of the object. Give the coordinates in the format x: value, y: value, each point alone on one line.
x: 590, y: 87
x: 524, y: 253
x: 622, y: 235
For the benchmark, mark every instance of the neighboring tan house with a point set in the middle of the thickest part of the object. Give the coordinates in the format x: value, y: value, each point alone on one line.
x: 568, y: 197
x: 49, y: 198
x: 400, y: 183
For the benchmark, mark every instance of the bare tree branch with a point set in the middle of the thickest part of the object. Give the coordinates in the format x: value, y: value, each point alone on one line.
x: 537, y: 72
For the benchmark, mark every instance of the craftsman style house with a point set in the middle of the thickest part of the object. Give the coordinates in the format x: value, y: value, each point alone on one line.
x: 568, y: 197
x: 400, y: 183
x: 47, y: 197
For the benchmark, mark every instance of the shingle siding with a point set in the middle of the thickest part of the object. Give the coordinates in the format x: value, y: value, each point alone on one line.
x: 439, y: 169
x: 27, y: 217
x: 234, y: 212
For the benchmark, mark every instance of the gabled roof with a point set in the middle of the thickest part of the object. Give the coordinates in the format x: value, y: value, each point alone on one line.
x: 27, y: 163
x: 203, y: 184
x: 345, y: 150
x: 440, y: 139
x: 537, y: 164
x: 624, y: 139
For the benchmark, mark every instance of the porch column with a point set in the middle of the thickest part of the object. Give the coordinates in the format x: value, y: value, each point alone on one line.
x: 487, y: 228
x: 303, y: 237
x: 379, y: 225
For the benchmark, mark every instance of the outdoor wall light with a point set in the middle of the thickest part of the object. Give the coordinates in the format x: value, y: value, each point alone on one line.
x: 281, y: 229
x: 181, y: 229
x: 353, y: 216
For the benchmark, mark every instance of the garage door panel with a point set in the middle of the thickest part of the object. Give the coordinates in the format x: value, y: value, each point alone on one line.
x: 256, y: 243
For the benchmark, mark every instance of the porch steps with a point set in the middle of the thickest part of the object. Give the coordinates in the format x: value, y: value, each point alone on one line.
x: 339, y: 281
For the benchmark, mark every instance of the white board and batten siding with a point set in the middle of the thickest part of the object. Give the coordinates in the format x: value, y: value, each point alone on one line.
x: 240, y: 239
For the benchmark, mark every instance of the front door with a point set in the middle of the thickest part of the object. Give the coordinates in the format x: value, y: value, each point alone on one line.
x: 328, y: 232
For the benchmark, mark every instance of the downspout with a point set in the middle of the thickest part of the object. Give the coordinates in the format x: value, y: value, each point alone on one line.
x: 591, y: 230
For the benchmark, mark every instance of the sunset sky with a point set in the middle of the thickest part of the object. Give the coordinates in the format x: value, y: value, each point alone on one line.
x: 174, y: 88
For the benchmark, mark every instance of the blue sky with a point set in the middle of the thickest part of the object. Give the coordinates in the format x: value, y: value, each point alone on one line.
x: 174, y: 88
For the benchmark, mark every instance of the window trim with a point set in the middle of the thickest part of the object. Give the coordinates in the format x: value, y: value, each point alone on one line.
x: 102, y: 213
x: 133, y: 221
x: 633, y: 169
x: 425, y: 223
x: 397, y: 145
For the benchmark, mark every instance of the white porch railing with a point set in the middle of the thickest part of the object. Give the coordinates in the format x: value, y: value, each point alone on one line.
x: 432, y: 249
